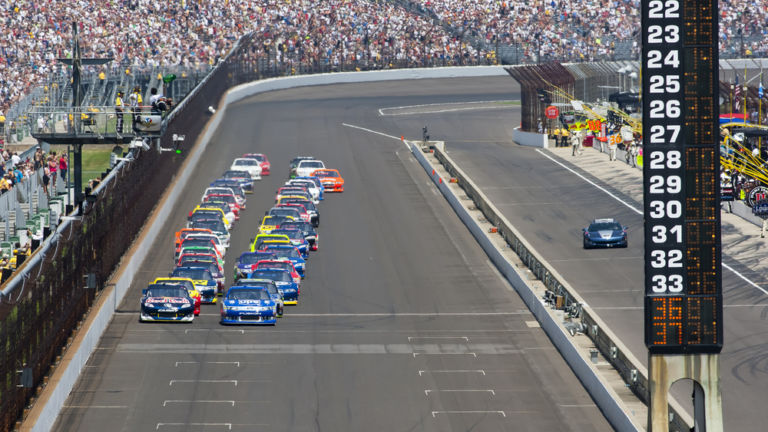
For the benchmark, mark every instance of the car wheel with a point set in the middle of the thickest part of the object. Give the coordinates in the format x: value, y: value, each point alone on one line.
x: 280, y: 310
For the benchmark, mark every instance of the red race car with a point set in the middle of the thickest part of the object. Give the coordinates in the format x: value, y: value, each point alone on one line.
x: 263, y: 161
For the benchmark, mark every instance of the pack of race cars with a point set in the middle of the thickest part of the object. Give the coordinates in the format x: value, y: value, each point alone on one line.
x: 268, y: 276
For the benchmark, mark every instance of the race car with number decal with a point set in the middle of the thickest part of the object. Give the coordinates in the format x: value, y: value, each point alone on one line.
x: 247, y: 260
x: 288, y: 252
x: 332, y: 180
x: 271, y: 288
x: 283, y: 280
x: 204, y: 282
x: 263, y: 161
x: 248, y: 305
x: 161, y: 302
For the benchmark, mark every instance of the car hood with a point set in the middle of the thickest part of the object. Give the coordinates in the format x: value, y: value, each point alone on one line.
x: 605, y: 234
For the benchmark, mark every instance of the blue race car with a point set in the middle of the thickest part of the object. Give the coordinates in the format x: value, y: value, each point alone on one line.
x: 271, y: 288
x: 166, y: 303
x: 290, y: 253
x: 605, y: 233
x: 297, y: 239
x: 247, y: 260
x: 283, y: 280
x: 248, y: 305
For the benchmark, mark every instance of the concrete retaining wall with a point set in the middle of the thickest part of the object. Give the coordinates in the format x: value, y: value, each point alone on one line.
x: 530, y: 139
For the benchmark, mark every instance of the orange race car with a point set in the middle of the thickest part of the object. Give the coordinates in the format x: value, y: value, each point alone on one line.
x: 331, y: 179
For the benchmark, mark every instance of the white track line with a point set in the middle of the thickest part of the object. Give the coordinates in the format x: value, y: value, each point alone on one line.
x: 636, y: 210
x: 371, y: 131
x: 381, y: 110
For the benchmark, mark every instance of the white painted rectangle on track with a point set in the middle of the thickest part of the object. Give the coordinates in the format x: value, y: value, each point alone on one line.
x: 489, y: 391
x: 437, y: 371
x: 233, y: 382
x: 436, y: 413
x: 178, y: 401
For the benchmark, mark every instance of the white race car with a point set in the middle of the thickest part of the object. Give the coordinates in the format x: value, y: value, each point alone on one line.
x: 247, y: 164
x: 305, y: 168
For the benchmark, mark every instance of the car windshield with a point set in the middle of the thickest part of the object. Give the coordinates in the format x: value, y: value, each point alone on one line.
x: 207, y: 249
x: 207, y: 237
x: 226, y: 199
x: 605, y: 226
x: 236, y: 174
x: 191, y: 261
x: 273, y: 220
x: 293, y: 234
x: 303, y: 226
x: 283, y: 252
x: 196, y: 242
x: 310, y: 164
x: 309, y: 205
x: 275, y: 275
x: 218, y: 191
x: 306, y: 184
x: 252, y: 258
x: 166, y: 291
x: 216, y: 204
x: 246, y: 162
x: 258, y: 157
x: 213, y: 225
x: 284, y: 212
x: 248, y: 294
x: 276, y: 264
x: 206, y: 213
x: 193, y: 273
x: 325, y: 174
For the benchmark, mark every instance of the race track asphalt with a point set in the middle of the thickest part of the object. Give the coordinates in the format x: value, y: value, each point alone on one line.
x: 403, y: 323
x: 549, y: 205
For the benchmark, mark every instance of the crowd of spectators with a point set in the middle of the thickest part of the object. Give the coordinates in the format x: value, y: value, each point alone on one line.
x: 14, y: 170
x: 383, y: 33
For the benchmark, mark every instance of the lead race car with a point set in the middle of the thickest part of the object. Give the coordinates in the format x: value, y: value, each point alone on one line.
x: 248, y: 305
x: 166, y: 303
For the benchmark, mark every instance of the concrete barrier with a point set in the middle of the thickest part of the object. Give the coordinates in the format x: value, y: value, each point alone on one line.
x: 530, y: 139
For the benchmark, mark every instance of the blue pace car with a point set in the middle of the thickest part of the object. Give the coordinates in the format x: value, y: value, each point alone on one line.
x: 282, y: 278
x: 605, y: 233
x: 248, y: 305
x: 166, y: 303
x: 288, y: 252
